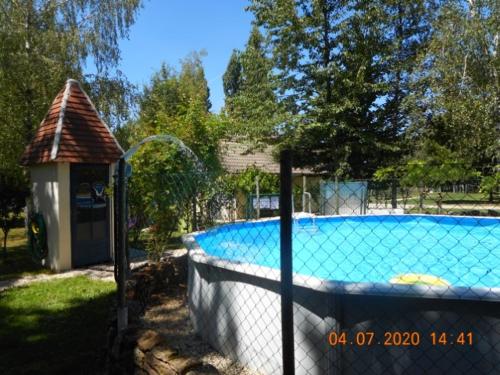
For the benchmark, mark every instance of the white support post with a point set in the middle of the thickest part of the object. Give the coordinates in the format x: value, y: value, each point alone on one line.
x: 304, y: 190
x: 257, y: 194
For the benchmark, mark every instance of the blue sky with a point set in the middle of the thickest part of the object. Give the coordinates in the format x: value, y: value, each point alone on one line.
x: 167, y: 30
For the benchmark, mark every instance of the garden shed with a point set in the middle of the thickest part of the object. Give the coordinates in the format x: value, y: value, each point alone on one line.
x: 70, y: 161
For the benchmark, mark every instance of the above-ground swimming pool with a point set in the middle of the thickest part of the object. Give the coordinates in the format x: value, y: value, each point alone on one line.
x: 344, y: 271
x: 464, y: 251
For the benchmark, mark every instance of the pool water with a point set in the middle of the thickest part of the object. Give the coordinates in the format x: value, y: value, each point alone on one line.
x: 465, y: 251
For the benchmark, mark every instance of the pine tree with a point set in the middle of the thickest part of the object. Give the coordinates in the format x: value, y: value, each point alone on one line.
x: 408, y: 27
x: 343, y: 69
x: 232, y: 77
x: 328, y: 56
x: 253, y: 106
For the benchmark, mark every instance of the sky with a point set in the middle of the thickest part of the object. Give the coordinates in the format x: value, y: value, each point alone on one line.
x: 168, y: 30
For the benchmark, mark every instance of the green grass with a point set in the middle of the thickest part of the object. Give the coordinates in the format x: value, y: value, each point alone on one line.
x: 454, y: 211
x: 19, y: 261
x: 55, y: 327
x: 456, y: 199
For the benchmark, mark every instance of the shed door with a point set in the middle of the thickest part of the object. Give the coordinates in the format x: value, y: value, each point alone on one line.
x: 89, y: 214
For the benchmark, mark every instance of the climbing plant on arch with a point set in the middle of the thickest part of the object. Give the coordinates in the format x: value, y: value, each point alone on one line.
x: 145, y: 176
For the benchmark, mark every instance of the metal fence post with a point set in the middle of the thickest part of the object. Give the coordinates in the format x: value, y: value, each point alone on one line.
x: 120, y: 251
x: 286, y: 262
x: 337, y: 196
x: 394, y: 193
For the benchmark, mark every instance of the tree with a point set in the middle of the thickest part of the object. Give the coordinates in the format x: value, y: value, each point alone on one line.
x: 329, y: 55
x: 346, y: 114
x: 490, y: 184
x: 245, y: 181
x: 252, y: 105
x: 456, y: 87
x: 329, y: 59
x: 166, y: 181
x: 192, y: 80
x: 13, y: 194
x: 42, y: 43
x: 407, y: 28
x: 365, y: 81
x: 177, y: 103
x: 432, y: 166
x: 114, y: 97
x: 231, y: 79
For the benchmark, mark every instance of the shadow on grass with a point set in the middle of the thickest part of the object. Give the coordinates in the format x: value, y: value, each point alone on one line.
x: 470, y: 201
x: 175, y: 242
x: 56, y: 327
x: 19, y: 261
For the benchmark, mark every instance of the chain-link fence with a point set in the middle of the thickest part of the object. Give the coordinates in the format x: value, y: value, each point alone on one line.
x: 397, y: 279
x: 388, y: 277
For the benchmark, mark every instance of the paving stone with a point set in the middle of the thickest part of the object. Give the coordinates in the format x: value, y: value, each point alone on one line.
x: 203, y: 369
x: 148, y: 340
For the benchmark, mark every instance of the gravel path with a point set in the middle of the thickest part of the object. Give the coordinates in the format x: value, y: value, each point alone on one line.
x: 169, y: 316
x: 100, y: 272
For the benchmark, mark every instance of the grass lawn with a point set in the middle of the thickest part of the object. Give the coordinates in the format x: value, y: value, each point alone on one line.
x: 448, y: 198
x: 55, y: 327
x: 19, y: 261
x: 454, y: 199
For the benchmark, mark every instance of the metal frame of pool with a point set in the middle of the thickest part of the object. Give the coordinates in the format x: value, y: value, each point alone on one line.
x: 236, y: 307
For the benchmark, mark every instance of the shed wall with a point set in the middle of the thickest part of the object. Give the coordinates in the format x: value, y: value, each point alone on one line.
x: 111, y: 213
x: 50, y: 194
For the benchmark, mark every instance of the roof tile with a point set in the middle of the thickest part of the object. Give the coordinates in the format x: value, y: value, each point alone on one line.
x: 72, y: 131
x: 237, y: 157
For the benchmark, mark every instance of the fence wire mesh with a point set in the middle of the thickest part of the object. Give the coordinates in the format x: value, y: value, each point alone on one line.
x: 389, y: 278
x: 396, y: 279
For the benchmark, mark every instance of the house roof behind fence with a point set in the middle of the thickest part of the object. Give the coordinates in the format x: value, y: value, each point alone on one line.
x: 72, y: 131
x: 237, y: 157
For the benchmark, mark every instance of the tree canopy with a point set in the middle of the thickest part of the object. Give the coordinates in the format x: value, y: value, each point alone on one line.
x: 365, y: 84
x: 251, y: 101
x: 352, y: 86
x: 42, y: 44
x: 455, y: 88
x: 178, y: 103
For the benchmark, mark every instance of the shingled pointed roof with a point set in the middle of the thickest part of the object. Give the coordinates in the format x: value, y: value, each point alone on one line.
x: 237, y: 157
x: 73, y: 132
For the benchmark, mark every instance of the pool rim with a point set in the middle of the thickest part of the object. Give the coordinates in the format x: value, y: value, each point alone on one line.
x: 198, y: 255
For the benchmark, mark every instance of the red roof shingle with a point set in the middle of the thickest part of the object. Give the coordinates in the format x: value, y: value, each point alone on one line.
x: 72, y: 131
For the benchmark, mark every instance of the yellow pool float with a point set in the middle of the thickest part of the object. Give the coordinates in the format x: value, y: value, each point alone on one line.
x: 419, y: 279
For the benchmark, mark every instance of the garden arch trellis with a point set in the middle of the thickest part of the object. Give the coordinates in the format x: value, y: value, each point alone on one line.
x: 120, y: 215
x: 286, y: 285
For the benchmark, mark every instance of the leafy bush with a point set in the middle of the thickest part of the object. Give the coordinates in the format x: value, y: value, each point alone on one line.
x: 13, y: 194
x: 432, y: 167
x: 245, y: 181
x: 162, y: 187
x: 490, y: 185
